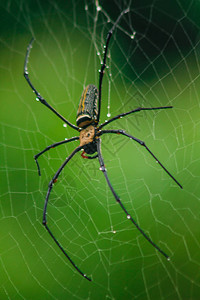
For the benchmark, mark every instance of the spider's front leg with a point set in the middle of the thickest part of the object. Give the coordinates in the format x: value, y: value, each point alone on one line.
x: 117, y: 198
x: 44, y: 220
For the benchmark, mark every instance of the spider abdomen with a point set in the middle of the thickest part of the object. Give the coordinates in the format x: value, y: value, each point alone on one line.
x: 87, y: 110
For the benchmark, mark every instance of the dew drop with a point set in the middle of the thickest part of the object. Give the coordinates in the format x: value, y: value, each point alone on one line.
x: 86, y: 7
x: 37, y: 99
x: 98, y: 8
x: 128, y: 216
x: 114, y: 231
x: 65, y: 125
x: 168, y: 258
x: 133, y: 35
x: 108, y: 115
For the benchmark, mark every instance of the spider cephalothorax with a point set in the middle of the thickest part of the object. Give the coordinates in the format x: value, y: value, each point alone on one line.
x: 87, y: 120
x: 88, y: 140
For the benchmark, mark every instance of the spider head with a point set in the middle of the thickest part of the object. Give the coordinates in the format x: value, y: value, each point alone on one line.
x: 87, y: 111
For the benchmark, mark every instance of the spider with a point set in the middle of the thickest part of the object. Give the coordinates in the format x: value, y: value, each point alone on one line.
x: 87, y: 121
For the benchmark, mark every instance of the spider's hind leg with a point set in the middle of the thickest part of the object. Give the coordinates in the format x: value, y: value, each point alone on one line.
x: 38, y: 95
x: 133, y: 111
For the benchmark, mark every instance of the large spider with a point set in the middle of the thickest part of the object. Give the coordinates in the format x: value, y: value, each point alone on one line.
x: 87, y: 121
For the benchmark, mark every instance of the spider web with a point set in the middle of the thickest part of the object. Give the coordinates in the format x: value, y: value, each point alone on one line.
x: 153, y: 60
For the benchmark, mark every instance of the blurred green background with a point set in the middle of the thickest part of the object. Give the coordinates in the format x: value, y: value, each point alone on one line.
x: 159, y: 67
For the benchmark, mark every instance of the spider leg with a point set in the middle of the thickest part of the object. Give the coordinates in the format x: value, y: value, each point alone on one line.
x: 103, y: 169
x: 39, y: 97
x: 88, y: 157
x: 131, y: 112
x: 142, y: 144
x: 49, y: 147
x: 44, y: 220
x: 104, y: 59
